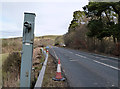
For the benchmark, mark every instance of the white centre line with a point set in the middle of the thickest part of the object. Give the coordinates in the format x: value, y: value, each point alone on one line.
x: 80, y: 56
x: 97, y: 57
x: 70, y: 52
x: 77, y: 54
x: 84, y: 57
x: 107, y: 65
x: 73, y: 60
x: 104, y: 59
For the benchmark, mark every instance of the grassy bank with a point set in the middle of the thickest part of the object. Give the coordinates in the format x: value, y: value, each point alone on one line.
x: 50, y: 73
x: 11, y: 59
x: 3, y: 57
x: 15, y: 44
x: 11, y: 70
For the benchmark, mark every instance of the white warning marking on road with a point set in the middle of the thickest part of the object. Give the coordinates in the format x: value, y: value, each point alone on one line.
x: 113, y: 85
x: 73, y: 60
x: 107, y: 65
x: 70, y: 52
x: 80, y: 56
x: 97, y: 57
x: 106, y: 59
x: 114, y: 58
x: 103, y: 59
x: 84, y: 57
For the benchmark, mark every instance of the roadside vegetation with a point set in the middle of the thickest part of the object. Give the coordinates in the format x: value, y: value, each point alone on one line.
x: 11, y: 45
x: 11, y: 70
x: 38, y: 60
x: 50, y: 73
x: 96, y: 29
x: 2, y: 59
x: 12, y: 64
x: 11, y: 59
x: 15, y: 44
x: 59, y: 41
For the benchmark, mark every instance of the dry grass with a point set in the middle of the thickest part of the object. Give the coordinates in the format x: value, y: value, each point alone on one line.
x: 11, y: 45
x: 11, y: 70
x: 14, y: 45
x: 53, y: 37
x: 3, y: 57
x: 50, y: 73
x: 38, y: 59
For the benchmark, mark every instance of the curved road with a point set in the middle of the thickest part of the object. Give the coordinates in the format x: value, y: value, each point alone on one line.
x: 84, y: 69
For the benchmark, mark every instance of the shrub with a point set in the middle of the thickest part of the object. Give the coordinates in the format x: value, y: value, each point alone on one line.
x: 11, y: 69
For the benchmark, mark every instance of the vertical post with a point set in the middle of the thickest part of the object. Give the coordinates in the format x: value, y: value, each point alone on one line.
x: 27, y: 50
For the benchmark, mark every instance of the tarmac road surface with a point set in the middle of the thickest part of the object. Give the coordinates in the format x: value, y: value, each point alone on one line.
x: 84, y: 69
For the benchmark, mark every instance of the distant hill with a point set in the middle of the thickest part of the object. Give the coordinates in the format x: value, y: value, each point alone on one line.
x: 15, y: 44
x: 49, y: 36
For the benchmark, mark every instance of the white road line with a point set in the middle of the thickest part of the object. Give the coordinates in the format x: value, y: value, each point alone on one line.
x: 100, y: 58
x: 104, y: 59
x: 70, y: 52
x: 114, y: 58
x: 97, y: 57
x: 77, y: 54
x: 106, y: 56
x: 55, y: 53
x: 84, y: 57
x: 107, y: 65
x: 80, y: 56
x: 73, y: 60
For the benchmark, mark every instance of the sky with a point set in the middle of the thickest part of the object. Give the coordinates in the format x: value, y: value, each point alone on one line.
x: 52, y: 16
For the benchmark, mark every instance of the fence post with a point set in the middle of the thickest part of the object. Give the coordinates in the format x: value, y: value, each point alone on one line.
x: 27, y: 50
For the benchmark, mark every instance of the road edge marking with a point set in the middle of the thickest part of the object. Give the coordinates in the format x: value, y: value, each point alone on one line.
x: 106, y: 65
x: 54, y: 53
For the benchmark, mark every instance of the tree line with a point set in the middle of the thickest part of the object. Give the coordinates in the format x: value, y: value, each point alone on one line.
x: 97, y: 28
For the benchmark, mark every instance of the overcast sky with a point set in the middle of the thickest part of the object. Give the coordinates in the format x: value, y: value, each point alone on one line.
x: 52, y: 17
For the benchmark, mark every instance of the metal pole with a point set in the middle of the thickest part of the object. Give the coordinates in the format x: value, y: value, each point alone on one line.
x: 27, y: 50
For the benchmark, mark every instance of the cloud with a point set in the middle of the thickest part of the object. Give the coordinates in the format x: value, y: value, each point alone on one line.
x: 10, y: 30
x: 44, y: 1
x: 51, y: 17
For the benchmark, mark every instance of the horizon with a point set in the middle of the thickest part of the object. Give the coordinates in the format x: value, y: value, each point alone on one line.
x: 52, y: 18
x: 34, y: 36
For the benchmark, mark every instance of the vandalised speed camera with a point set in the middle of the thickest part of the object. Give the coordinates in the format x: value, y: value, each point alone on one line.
x: 27, y: 25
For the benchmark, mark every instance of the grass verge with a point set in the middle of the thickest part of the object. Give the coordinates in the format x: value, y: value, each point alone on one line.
x: 50, y: 73
x: 3, y: 57
x: 11, y: 70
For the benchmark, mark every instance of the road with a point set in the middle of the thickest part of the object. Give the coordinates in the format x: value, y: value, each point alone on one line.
x: 84, y: 69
